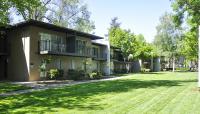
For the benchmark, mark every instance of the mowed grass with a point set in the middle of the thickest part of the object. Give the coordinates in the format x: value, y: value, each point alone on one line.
x: 163, y: 93
x: 8, y: 87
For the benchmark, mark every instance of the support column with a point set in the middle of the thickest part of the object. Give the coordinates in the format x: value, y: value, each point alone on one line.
x: 152, y: 65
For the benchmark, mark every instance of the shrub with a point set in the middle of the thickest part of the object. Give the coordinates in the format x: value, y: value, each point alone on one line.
x: 92, y: 75
x: 95, y: 75
x: 100, y: 75
x: 182, y: 69
x: 53, y: 73
x: 76, y: 74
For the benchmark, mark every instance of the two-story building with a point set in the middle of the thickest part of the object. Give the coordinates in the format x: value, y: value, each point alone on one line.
x: 31, y: 42
x: 25, y: 46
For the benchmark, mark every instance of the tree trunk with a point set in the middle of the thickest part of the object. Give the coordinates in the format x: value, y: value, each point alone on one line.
x: 173, y: 63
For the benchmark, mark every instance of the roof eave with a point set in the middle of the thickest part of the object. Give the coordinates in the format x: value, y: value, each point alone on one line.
x: 55, y: 28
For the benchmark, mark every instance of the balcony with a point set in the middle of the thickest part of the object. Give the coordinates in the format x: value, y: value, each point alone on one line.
x: 101, y: 57
x: 51, y: 46
x: 86, y: 51
x: 56, y: 48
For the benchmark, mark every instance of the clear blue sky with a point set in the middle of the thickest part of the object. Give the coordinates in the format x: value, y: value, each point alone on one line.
x: 140, y: 16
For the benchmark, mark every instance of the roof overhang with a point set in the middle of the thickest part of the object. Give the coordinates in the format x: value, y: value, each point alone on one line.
x: 54, y: 28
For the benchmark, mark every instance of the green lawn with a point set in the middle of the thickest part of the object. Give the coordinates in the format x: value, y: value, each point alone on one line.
x: 8, y: 87
x: 165, y: 93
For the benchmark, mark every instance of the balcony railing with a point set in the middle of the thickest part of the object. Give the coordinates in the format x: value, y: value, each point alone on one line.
x: 100, y: 57
x: 83, y: 51
x: 53, y: 47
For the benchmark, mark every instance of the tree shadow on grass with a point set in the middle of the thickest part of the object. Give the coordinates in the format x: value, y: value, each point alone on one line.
x: 128, y: 74
x: 79, y: 97
x: 158, y: 73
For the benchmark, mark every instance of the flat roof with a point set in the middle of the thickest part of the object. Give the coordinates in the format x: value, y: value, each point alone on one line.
x: 54, y: 28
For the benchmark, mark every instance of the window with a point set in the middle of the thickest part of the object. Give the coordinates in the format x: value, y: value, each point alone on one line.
x: 57, y: 64
x: 52, y: 42
x: 95, y: 52
x: 81, y: 47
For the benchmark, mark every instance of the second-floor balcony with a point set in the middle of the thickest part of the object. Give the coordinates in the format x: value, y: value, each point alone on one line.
x: 102, y: 56
x: 51, y: 46
x: 57, y: 48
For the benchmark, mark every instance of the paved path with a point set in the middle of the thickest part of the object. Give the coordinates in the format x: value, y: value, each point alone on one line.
x: 39, y: 87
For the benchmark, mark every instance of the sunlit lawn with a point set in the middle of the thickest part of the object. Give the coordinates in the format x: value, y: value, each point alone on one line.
x: 167, y: 93
x: 8, y: 87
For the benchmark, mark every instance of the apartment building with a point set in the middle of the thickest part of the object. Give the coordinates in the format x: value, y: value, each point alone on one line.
x: 25, y: 46
x: 31, y: 42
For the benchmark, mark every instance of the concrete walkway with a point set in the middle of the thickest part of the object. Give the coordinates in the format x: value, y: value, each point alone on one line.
x: 40, y: 85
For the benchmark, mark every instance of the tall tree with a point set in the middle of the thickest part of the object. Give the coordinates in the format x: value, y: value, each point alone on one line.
x: 188, y: 8
x: 70, y: 13
x: 128, y: 42
x: 25, y: 8
x: 189, y: 46
x: 143, y: 50
x: 168, y: 36
x: 4, y: 14
x: 114, y: 23
x: 22, y: 7
x: 188, y: 11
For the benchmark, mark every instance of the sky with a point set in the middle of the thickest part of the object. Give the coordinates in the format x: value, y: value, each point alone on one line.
x: 140, y: 16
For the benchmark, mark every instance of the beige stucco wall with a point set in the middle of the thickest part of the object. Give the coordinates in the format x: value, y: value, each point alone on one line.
x: 66, y: 63
x: 17, y: 60
x: 35, y: 57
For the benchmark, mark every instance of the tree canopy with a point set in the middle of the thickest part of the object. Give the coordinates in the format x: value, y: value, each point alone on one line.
x: 22, y: 7
x: 168, y: 35
x: 68, y: 13
x: 128, y: 42
x: 188, y: 11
